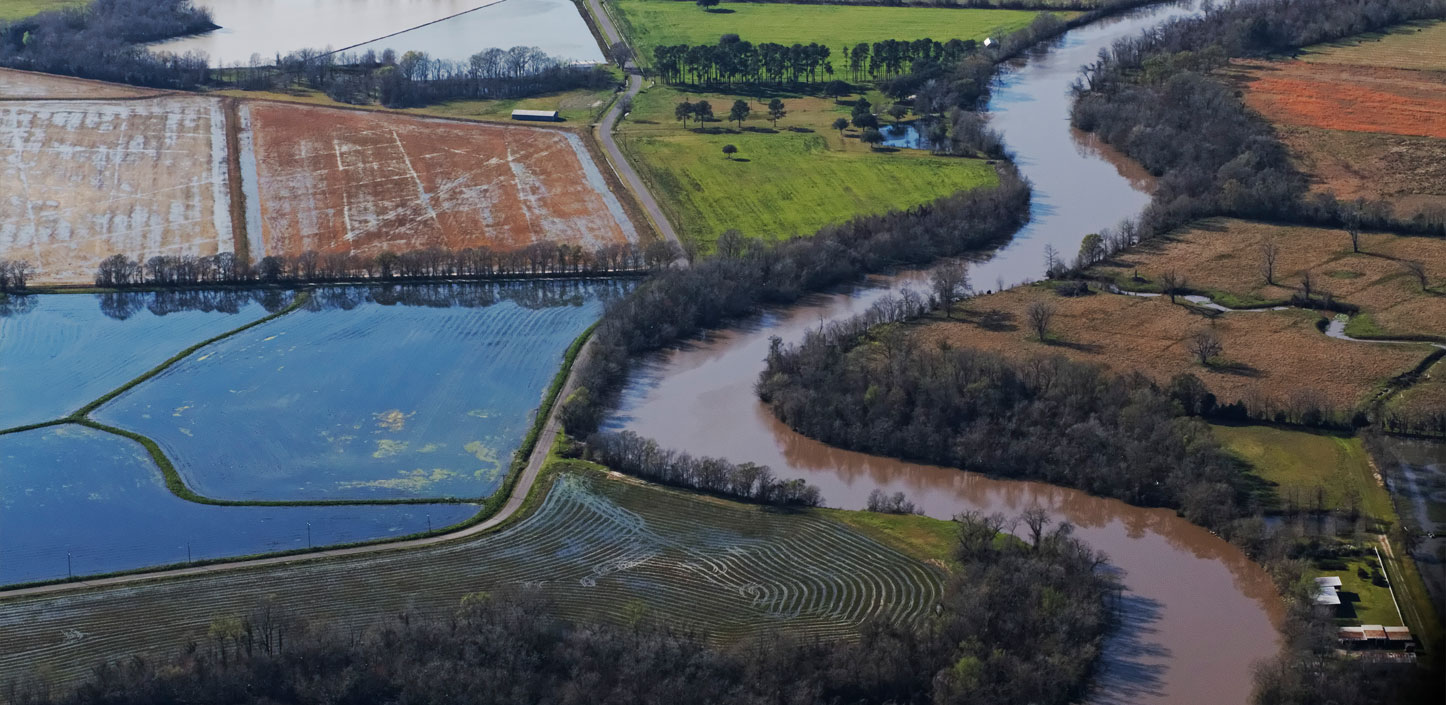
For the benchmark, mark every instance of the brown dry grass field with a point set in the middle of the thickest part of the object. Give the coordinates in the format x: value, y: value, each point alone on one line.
x: 1222, y: 257
x: 1270, y: 356
x: 1409, y: 172
x: 1428, y: 394
x: 1414, y: 45
x: 341, y: 180
x: 83, y: 180
x: 29, y: 84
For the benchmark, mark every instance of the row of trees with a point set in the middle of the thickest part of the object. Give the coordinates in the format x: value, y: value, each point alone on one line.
x: 542, y: 258
x: 15, y: 275
x: 1154, y: 97
x: 734, y: 60
x: 630, y: 453
x: 414, y: 78
x: 747, y: 274
x: 1019, y: 623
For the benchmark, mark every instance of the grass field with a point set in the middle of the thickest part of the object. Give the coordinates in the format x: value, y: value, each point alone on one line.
x: 1406, y: 171
x: 1149, y: 335
x: 1221, y: 258
x: 1415, y: 45
x: 787, y: 182
x: 652, y: 23
x: 1427, y: 394
x: 19, y: 9
x: 1296, y: 463
x: 596, y: 547
x: 1362, y: 601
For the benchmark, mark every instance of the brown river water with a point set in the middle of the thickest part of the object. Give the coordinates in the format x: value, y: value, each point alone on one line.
x: 1197, y: 613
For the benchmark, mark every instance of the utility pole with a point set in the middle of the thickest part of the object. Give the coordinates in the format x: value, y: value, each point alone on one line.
x: 308, y: 534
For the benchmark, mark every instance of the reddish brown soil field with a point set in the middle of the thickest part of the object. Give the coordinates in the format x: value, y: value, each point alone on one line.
x: 1357, y: 98
x: 28, y: 84
x: 349, y: 181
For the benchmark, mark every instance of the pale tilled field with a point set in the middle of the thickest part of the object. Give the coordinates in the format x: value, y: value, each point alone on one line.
x: 81, y: 180
x: 29, y: 84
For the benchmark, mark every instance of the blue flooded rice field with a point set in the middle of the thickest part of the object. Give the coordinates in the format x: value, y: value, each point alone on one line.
x: 366, y: 393
x: 75, y: 501
x: 59, y: 353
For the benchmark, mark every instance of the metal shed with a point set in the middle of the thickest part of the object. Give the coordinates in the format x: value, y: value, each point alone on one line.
x: 542, y: 115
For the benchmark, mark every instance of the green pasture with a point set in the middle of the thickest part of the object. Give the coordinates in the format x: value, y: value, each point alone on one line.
x: 784, y: 181
x: 18, y: 9
x: 1295, y: 463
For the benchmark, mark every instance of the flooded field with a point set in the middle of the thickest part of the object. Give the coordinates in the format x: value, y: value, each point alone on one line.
x: 74, y: 501
x: 81, y: 181
x: 346, y: 181
x: 366, y: 393
x: 268, y: 28
x: 555, y: 26
x: 60, y: 352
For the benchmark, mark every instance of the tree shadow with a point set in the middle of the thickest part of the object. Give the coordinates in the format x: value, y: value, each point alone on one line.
x: 992, y: 320
x: 761, y: 130
x: 1238, y: 369
x: 719, y: 11
x: 1091, y: 348
x: 800, y: 129
x: 1133, y: 664
x: 741, y: 159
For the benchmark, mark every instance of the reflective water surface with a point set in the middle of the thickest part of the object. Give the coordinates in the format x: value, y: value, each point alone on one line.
x: 452, y: 30
x: 74, y: 501
x: 420, y: 391
x: 61, y: 352
x: 1198, y: 613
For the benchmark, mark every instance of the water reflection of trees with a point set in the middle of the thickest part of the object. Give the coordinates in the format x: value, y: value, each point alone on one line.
x: 529, y: 294
x: 14, y: 305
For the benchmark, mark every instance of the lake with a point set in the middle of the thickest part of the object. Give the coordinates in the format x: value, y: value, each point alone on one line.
x: 454, y: 29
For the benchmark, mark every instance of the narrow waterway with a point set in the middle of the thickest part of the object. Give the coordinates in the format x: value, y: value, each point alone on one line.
x: 1198, y: 614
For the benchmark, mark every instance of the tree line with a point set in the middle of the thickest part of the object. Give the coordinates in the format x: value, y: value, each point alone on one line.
x: 745, y: 275
x: 1154, y: 96
x: 632, y: 454
x: 734, y: 60
x: 542, y: 258
x: 15, y: 276
x: 1020, y: 622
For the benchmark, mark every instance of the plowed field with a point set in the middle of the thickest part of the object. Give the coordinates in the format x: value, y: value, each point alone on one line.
x: 28, y: 84
x: 348, y: 181
x: 80, y: 181
x: 1357, y: 98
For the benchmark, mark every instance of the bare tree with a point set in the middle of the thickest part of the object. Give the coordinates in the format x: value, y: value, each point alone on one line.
x: 1036, y: 518
x: 1172, y: 283
x: 1204, y: 344
x: 1418, y: 271
x: 1306, y: 285
x: 950, y: 283
x: 1269, y: 254
x: 1041, y: 315
x: 1051, y: 260
x: 1353, y: 228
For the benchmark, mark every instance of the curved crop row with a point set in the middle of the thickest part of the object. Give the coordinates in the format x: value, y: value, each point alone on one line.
x: 595, y: 548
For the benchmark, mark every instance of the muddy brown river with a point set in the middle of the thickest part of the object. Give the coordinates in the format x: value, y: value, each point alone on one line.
x: 1197, y: 612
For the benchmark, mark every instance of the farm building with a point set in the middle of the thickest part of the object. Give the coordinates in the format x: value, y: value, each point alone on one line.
x: 542, y: 115
x: 1376, y: 636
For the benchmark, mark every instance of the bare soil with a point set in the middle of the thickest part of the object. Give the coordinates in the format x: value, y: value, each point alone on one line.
x: 351, y: 181
x: 1407, y: 171
x: 29, y: 84
x: 83, y: 180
